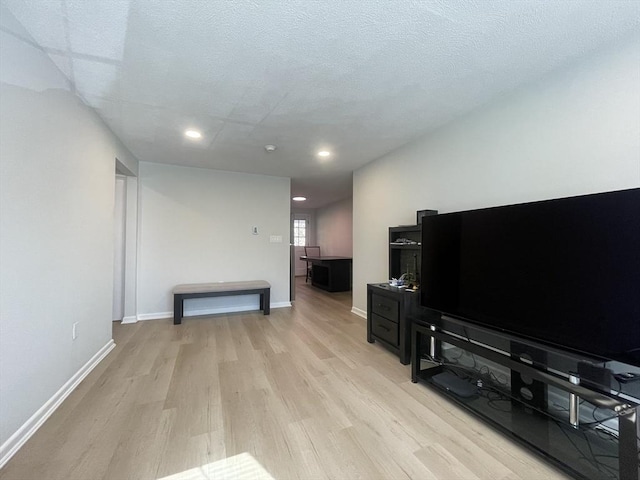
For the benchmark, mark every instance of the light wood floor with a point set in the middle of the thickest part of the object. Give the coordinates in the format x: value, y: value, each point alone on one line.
x: 301, y: 391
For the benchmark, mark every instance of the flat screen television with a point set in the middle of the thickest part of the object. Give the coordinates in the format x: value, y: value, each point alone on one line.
x: 564, y: 272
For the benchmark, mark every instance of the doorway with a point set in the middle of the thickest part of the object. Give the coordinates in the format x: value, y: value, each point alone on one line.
x: 302, y: 236
x: 125, y: 246
x: 119, y: 231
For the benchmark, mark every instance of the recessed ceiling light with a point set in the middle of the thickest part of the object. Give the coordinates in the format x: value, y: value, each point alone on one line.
x: 299, y: 199
x: 324, y: 153
x: 192, y: 134
x: 270, y: 148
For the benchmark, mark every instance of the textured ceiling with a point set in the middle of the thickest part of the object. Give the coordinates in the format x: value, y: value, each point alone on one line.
x: 360, y: 77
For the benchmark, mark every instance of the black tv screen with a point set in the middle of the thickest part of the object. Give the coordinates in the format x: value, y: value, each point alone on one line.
x: 565, y: 272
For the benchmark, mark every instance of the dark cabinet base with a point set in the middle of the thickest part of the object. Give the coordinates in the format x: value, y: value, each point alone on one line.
x: 334, y: 276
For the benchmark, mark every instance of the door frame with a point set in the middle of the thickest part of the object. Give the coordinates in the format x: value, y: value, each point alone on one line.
x: 300, y: 265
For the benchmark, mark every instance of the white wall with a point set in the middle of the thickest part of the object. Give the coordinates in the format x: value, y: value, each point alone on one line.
x: 195, y: 226
x: 57, y: 174
x: 334, y: 228
x: 576, y: 131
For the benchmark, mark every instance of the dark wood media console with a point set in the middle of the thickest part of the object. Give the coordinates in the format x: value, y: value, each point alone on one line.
x: 517, y: 386
x: 387, y: 318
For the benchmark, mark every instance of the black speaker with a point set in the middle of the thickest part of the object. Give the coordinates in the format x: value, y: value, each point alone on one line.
x: 594, y: 376
x: 424, y: 213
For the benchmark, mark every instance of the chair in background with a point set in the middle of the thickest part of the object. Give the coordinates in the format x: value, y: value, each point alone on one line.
x: 313, y: 251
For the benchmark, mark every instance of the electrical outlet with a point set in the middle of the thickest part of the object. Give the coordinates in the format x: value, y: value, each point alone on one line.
x: 74, y: 331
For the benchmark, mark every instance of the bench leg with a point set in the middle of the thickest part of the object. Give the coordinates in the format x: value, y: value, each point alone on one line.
x: 265, y: 301
x: 177, y: 309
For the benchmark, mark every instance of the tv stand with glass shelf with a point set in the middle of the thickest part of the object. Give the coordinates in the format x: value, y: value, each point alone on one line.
x: 518, y: 387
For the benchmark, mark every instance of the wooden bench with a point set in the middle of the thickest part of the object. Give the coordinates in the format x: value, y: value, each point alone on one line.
x: 220, y: 289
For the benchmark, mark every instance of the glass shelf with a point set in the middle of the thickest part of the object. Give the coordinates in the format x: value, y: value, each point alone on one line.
x: 590, y: 450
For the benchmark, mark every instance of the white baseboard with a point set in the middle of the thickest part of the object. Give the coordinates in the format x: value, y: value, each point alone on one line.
x: 359, y: 312
x: 19, y: 438
x: 281, y: 305
x: 208, y: 311
x: 129, y: 319
x: 153, y: 316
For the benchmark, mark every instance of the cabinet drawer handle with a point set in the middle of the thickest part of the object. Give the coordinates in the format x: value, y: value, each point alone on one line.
x: 383, y: 306
x: 384, y: 328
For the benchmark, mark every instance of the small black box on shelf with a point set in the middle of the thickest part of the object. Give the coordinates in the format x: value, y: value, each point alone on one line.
x: 424, y: 213
x: 594, y: 376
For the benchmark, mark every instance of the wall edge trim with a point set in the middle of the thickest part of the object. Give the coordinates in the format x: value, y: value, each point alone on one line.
x: 31, y: 426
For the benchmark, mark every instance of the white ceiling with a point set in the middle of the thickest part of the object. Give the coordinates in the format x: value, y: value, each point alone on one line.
x: 360, y: 77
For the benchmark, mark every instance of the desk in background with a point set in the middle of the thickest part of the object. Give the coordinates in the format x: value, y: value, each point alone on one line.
x: 330, y: 273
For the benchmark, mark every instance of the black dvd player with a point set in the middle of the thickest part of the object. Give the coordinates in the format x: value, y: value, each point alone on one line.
x: 456, y: 385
